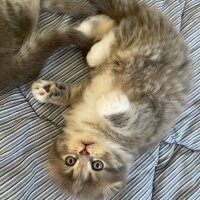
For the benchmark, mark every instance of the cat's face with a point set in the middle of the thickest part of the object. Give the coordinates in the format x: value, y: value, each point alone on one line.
x: 87, y: 167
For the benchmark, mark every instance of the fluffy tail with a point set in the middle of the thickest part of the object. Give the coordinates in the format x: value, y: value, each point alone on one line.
x: 71, y: 7
x: 23, y: 49
x: 27, y: 62
x: 18, y: 19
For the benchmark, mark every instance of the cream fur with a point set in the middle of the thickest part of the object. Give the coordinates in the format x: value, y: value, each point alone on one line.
x: 101, y: 50
x: 99, y: 27
x: 100, y: 85
x: 112, y: 103
x: 39, y: 92
x: 96, y: 27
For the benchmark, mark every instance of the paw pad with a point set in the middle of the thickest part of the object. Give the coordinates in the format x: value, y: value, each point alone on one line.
x: 41, y: 90
x: 47, y: 88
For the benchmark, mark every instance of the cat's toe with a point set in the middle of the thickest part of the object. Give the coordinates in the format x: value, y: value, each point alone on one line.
x: 41, y: 90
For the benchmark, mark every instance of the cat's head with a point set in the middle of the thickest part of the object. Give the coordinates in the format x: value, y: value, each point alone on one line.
x: 87, y: 167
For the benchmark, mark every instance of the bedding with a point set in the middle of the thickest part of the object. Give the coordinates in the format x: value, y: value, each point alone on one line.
x: 170, y: 171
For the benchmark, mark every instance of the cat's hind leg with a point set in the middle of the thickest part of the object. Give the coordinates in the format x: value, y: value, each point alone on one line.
x: 96, y: 27
x: 100, y: 29
x: 101, y: 51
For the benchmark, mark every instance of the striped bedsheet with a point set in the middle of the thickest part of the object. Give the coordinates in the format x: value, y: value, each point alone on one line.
x: 170, y: 171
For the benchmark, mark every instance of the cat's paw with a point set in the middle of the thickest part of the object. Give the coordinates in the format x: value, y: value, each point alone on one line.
x: 97, y: 55
x: 49, y: 92
x: 101, y: 51
x: 112, y: 103
x: 41, y: 90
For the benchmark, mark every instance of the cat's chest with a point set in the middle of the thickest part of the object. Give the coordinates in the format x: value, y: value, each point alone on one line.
x: 100, y: 85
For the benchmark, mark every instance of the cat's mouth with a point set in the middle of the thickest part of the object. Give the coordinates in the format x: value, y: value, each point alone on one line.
x: 85, y: 151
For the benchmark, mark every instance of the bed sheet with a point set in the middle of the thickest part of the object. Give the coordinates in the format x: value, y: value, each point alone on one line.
x: 170, y: 171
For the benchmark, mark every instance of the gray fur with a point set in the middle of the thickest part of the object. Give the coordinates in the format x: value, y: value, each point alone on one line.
x: 23, y: 48
x: 72, y: 7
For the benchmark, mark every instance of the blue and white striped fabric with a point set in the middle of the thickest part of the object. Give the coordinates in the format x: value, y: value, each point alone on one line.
x: 171, y: 171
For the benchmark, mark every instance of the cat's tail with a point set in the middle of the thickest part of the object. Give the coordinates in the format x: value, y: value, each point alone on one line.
x: 23, y: 48
x: 20, y: 18
x: 28, y: 61
x: 71, y: 7
x: 116, y: 9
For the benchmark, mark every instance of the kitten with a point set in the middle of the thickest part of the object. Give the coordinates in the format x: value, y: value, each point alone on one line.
x: 139, y: 82
x: 23, y: 48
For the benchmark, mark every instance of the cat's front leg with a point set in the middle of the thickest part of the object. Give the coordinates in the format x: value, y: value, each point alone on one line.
x: 50, y: 92
x: 58, y: 93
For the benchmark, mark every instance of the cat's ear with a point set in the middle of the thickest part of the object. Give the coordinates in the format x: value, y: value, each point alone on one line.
x: 113, y: 188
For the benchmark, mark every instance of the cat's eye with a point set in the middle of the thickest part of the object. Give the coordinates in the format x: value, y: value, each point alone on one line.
x: 97, y: 165
x: 70, y: 161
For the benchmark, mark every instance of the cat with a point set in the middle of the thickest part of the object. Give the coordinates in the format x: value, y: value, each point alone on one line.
x: 140, y: 78
x: 23, y: 48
